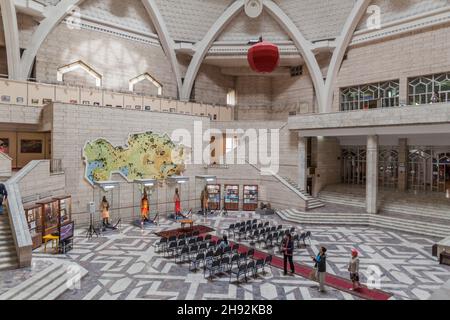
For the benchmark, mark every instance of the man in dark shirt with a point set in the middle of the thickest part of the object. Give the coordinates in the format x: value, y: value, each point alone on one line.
x: 321, y: 265
x: 3, y: 196
x: 288, y: 251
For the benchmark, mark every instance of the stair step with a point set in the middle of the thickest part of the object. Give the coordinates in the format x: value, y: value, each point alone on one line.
x: 47, y: 284
x: 8, y: 266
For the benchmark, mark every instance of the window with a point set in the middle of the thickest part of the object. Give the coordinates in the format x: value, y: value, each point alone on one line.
x: 422, y: 89
x: 231, y: 143
x: 370, y: 96
x: 231, y: 97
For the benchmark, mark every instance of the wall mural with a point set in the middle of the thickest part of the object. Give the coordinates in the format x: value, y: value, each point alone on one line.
x: 146, y: 155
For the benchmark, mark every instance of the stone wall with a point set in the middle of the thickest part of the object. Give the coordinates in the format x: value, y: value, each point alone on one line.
x: 118, y: 60
x: 420, y: 53
x: 74, y: 125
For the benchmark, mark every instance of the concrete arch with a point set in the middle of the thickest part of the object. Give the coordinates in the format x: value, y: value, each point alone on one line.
x: 54, y: 16
x: 342, y: 44
x: 204, y: 45
x: 11, y: 32
x: 303, y: 46
x: 164, y: 37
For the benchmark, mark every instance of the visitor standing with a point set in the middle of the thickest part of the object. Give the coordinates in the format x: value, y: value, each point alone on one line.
x: 321, y: 266
x: 353, y: 268
x: 104, y: 207
x: 176, y: 199
x: 3, y: 196
x: 288, y: 252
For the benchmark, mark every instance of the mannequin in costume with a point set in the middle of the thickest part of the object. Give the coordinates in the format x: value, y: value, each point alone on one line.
x: 176, y: 199
x: 204, y: 198
x: 145, y: 207
x: 104, y: 208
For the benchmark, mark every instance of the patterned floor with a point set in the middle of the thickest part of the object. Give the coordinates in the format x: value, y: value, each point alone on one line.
x: 125, y: 266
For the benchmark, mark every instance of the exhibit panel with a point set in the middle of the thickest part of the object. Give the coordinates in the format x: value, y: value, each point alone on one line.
x: 250, y: 200
x: 169, y: 105
x: 152, y: 104
x: 67, y: 95
x: 64, y: 209
x: 231, y: 197
x: 133, y: 102
x: 113, y: 100
x: 214, y: 196
x: 184, y: 107
x: 40, y: 94
x: 13, y: 92
x: 91, y: 97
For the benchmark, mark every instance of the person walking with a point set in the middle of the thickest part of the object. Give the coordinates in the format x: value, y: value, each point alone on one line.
x: 3, y: 196
x: 353, y: 268
x: 288, y: 252
x: 321, y: 266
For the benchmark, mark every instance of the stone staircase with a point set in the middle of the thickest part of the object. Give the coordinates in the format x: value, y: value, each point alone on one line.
x: 432, y: 209
x: 49, y: 283
x: 365, y: 219
x: 311, y: 203
x: 8, y: 255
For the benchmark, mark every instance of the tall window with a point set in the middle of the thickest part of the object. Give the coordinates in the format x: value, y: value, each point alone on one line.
x: 231, y: 143
x: 429, y: 89
x: 231, y: 97
x: 370, y: 96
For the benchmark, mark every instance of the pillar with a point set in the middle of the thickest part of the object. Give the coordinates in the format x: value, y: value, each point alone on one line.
x: 372, y: 175
x: 302, y: 162
x: 403, y: 153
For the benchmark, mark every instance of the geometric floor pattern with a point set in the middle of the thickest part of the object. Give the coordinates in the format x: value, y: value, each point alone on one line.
x: 125, y: 266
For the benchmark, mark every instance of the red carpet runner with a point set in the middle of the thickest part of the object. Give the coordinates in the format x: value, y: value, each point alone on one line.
x: 333, y: 281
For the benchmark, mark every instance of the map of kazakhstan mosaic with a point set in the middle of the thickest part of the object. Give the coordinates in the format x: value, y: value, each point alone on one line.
x: 146, y: 156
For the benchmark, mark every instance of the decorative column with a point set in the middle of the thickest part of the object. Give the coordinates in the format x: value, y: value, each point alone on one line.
x: 372, y: 175
x: 403, y: 164
x: 302, y: 162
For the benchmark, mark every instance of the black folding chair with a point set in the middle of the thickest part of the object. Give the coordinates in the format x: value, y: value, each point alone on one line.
x: 239, y: 272
x: 183, y: 253
x: 161, y: 244
x: 213, y: 268
x: 199, y: 259
x: 171, y: 248
x: 259, y: 265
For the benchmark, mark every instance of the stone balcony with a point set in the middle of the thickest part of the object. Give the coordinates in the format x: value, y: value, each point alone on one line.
x: 399, y: 120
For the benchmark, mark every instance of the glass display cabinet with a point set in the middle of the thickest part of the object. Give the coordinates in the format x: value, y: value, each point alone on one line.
x: 231, y: 198
x: 33, y: 214
x: 64, y: 209
x: 250, y: 198
x: 214, y: 196
x: 50, y: 216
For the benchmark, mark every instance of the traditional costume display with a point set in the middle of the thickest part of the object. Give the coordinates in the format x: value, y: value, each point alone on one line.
x: 145, y: 208
x: 104, y: 208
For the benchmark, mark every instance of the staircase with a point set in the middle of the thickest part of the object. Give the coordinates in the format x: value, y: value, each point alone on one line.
x: 311, y: 202
x: 416, y: 207
x: 8, y: 255
x: 49, y: 283
x: 365, y: 219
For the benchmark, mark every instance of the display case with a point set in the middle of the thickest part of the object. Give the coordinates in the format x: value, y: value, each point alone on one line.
x: 33, y: 214
x: 50, y: 216
x: 64, y: 209
x: 214, y: 196
x: 231, y: 197
x: 250, y: 202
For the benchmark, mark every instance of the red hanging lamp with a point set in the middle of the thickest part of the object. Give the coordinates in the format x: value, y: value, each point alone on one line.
x: 263, y: 57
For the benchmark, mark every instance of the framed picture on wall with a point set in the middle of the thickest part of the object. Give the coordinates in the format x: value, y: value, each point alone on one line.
x: 34, y: 101
x: 19, y: 100
x: 137, y: 107
x: 6, y: 98
x: 96, y: 103
x: 148, y: 108
x: 31, y: 146
x: 74, y: 101
x: 86, y: 102
x: 4, y: 145
x: 46, y: 101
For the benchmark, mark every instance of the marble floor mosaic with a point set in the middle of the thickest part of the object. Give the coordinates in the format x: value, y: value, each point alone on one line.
x: 124, y: 265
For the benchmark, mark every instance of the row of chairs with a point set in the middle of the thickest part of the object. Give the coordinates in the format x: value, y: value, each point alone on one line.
x: 244, y: 232
x: 243, y: 266
x: 246, y: 225
x: 178, y: 242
